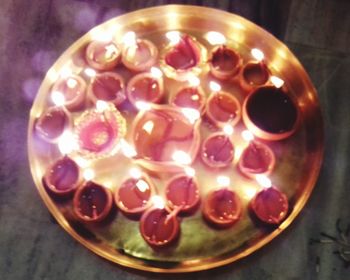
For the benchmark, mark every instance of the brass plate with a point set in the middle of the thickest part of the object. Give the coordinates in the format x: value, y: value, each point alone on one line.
x: 297, y: 171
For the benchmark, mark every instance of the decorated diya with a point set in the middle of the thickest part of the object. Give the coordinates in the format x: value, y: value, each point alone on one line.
x: 174, y: 138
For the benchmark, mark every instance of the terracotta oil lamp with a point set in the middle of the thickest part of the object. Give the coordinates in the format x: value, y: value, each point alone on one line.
x: 257, y: 159
x: 159, y: 228
x: 224, y: 63
x: 183, y: 58
x: 92, y: 202
x: 165, y: 139
x: 189, y: 97
x: 254, y: 74
x: 217, y: 151
x: 223, y: 108
x: 222, y: 208
x: 99, y: 132
x: 134, y: 194
x: 73, y: 89
x: 52, y: 123
x: 140, y: 56
x: 270, y: 113
x: 182, y: 192
x: 102, y: 55
x: 63, y: 177
x: 146, y: 88
x: 107, y: 86
x: 270, y: 206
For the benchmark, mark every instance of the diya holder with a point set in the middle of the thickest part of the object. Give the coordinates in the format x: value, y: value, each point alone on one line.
x: 160, y: 132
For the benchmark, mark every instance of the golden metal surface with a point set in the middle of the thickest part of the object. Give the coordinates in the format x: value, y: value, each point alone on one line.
x: 243, y: 33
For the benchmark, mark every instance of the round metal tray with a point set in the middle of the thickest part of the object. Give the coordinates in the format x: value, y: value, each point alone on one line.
x: 298, y: 159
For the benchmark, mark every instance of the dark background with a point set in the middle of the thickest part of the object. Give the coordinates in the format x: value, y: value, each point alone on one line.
x: 32, y: 36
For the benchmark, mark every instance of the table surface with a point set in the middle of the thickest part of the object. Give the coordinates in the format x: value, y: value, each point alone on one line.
x: 33, y: 35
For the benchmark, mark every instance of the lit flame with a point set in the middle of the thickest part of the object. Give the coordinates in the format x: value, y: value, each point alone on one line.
x: 191, y: 114
x: 148, y: 126
x: 58, y: 98
x: 263, y: 181
x: 257, y: 54
x: 67, y: 143
x: 214, y: 86
x: 158, y: 201
x: 215, y: 38
x: 194, y: 81
x: 156, y: 72
x: 143, y: 106
x: 129, y: 39
x: 276, y: 81
x: 223, y: 181
x: 247, y: 135
x: 174, y: 37
x: 90, y: 72
x: 135, y: 173
x: 181, y: 157
x: 228, y: 129
x: 127, y: 150
x: 89, y: 174
x: 72, y: 83
x: 101, y: 106
x: 189, y: 171
x: 142, y: 185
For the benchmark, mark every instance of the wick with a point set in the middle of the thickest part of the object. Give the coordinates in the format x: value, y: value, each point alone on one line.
x: 173, y: 213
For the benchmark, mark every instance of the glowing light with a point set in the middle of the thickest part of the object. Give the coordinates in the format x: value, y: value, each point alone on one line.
x: 135, y: 173
x: 247, y: 135
x: 238, y: 152
x: 101, y: 106
x: 181, y: 157
x: 263, y: 181
x: 214, y: 86
x: 158, y: 201
x: 82, y: 162
x: 194, y: 81
x: 148, y: 126
x: 111, y: 50
x: 52, y: 75
x: 108, y: 185
x: 257, y: 54
x: 189, y: 171
x: 67, y: 143
x: 228, y: 129
x: 277, y: 82
x: 238, y: 25
x: 249, y: 192
x: 223, y: 181
x: 173, y: 36
x: 90, y: 72
x: 191, y: 114
x: 156, y: 72
x: 215, y: 38
x: 58, y: 98
x: 89, y: 174
x: 127, y: 150
x: 129, y: 39
x: 72, y: 83
x: 143, y: 106
x: 142, y: 185
x: 66, y: 72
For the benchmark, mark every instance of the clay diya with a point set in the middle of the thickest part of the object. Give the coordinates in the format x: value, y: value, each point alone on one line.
x: 222, y: 208
x: 134, y: 194
x: 63, y: 177
x: 92, y: 202
x: 99, y: 132
x: 256, y: 159
x: 224, y: 63
x: 270, y: 205
x: 73, y: 89
x: 107, y: 86
x: 217, y: 151
x: 165, y: 139
x: 183, y: 58
x: 270, y: 113
x: 145, y: 87
x: 223, y: 108
x: 158, y: 227
x: 140, y: 56
x: 254, y: 74
x: 102, y: 55
x: 189, y: 97
x: 52, y: 123
x: 182, y: 192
